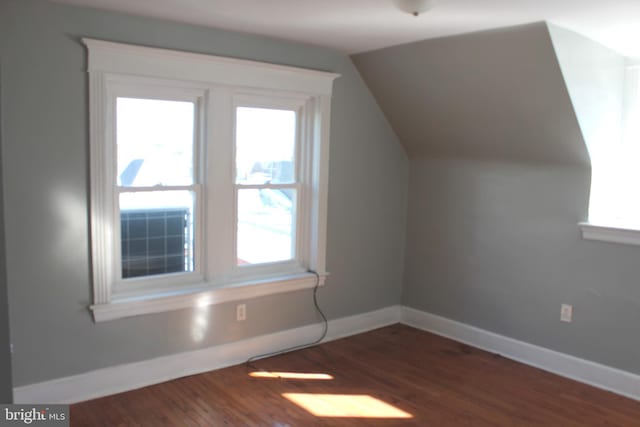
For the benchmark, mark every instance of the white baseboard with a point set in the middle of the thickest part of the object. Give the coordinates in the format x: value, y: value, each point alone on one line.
x: 117, y: 379
x: 597, y: 375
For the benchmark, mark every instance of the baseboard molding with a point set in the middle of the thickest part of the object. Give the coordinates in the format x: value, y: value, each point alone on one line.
x: 117, y: 379
x: 597, y: 375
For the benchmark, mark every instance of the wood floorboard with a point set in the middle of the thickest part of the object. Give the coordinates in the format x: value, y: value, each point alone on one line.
x: 436, y: 381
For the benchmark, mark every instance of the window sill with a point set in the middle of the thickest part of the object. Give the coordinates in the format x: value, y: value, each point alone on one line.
x: 609, y: 233
x: 202, y: 296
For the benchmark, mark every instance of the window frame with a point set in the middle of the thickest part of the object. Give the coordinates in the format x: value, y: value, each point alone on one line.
x: 301, y: 183
x: 217, y: 85
x: 167, y: 91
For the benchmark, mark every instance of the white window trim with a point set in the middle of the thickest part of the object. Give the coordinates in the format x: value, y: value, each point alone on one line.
x: 203, y: 295
x: 109, y: 60
x: 132, y: 87
x: 294, y: 104
x: 610, y: 234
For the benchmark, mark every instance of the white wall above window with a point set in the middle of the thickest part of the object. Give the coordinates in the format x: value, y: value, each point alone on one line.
x: 603, y: 87
x: 216, y: 87
x: 615, y: 195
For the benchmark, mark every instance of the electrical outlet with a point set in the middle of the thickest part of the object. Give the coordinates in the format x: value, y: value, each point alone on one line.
x: 241, y: 312
x: 566, y: 313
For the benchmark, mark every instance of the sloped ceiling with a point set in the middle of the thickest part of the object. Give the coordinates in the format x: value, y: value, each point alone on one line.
x: 495, y: 95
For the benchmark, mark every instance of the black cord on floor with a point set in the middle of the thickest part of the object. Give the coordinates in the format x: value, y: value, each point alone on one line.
x: 325, y: 324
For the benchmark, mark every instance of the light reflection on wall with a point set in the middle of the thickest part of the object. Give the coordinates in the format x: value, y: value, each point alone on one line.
x: 72, y: 219
x: 200, y: 321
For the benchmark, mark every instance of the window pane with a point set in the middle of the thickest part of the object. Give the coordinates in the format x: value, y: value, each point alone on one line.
x: 156, y: 232
x: 265, y: 145
x: 266, y: 225
x: 155, y: 142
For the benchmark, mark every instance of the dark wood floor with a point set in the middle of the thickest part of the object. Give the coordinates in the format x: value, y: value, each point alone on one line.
x: 394, y: 376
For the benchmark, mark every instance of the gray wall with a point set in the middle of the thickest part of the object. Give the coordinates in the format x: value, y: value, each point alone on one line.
x: 45, y: 178
x: 6, y: 389
x: 499, y: 179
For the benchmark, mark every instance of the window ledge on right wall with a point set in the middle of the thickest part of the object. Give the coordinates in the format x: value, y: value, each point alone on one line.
x: 609, y: 233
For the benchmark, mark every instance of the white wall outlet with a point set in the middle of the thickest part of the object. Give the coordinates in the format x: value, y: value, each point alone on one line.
x: 241, y: 312
x: 566, y: 313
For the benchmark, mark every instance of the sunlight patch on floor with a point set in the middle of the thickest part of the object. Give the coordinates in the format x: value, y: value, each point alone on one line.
x: 345, y: 405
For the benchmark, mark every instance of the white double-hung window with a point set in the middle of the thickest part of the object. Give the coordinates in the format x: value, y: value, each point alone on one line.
x: 208, y: 178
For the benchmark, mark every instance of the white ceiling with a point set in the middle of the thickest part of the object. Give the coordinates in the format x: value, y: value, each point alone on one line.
x: 360, y: 25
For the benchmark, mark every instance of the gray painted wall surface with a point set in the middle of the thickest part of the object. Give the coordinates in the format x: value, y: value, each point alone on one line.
x: 499, y: 179
x: 45, y: 171
x: 6, y: 386
x: 495, y: 245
